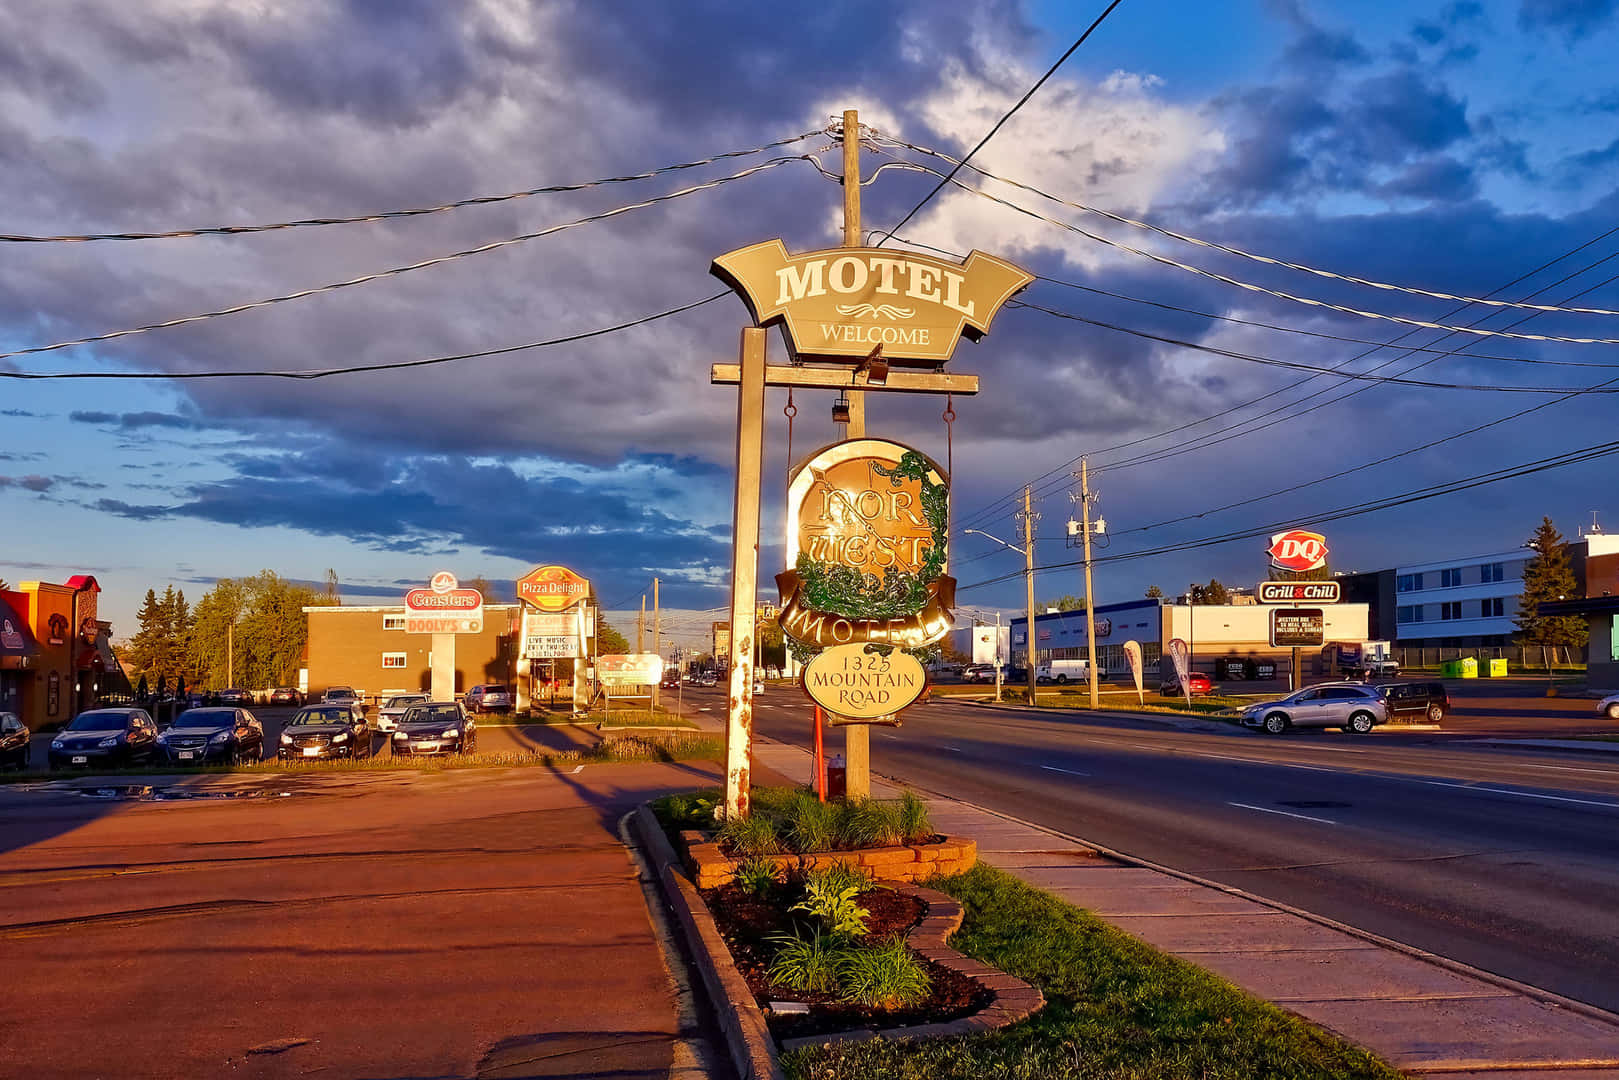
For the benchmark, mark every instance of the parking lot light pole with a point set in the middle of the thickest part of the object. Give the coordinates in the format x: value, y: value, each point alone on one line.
x: 1028, y: 573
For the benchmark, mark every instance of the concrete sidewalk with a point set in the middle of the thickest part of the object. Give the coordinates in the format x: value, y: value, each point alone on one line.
x: 1423, y: 1015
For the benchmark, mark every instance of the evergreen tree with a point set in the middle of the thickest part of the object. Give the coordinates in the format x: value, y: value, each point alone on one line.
x: 1154, y: 592
x: 1212, y: 593
x: 1064, y: 603
x: 1548, y: 576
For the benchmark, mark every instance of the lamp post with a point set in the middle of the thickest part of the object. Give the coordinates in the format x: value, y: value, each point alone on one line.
x: 1028, y: 573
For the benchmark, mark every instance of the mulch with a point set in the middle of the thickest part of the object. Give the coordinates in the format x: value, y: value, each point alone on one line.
x: 747, y: 922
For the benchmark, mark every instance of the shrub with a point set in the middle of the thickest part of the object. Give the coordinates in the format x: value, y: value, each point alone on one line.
x: 757, y: 876
x: 812, y: 825
x: 835, y: 908
x: 806, y: 963
x: 884, y: 976
x: 869, y: 823
x: 839, y: 877
x: 752, y: 835
x: 914, y: 823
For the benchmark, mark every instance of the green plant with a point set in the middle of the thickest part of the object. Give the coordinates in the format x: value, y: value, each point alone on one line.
x: 835, y: 908
x: 869, y: 823
x: 838, y: 877
x: 757, y: 876
x: 806, y: 964
x: 883, y: 976
x: 751, y: 835
x: 914, y: 823
x: 812, y: 825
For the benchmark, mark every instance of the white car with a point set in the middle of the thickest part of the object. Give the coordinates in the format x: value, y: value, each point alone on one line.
x: 394, y: 709
x: 1609, y: 707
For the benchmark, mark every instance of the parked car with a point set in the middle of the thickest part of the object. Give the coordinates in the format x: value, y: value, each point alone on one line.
x: 14, y: 741
x: 1609, y: 707
x: 758, y: 686
x: 437, y: 727
x: 345, y: 695
x: 708, y: 678
x: 1351, y: 706
x: 109, y: 737
x: 1196, y: 681
x: 215, y: 734
x: 1416, y: 700
x: 671, y: 681
x: 234, y: 696
x: 976, y: 673
x: 394, y: 708
x: 488, y: 698
x: 286, y: 695
x: 326, y: 731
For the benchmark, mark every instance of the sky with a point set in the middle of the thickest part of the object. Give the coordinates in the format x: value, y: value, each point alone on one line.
x: 1459, y: 147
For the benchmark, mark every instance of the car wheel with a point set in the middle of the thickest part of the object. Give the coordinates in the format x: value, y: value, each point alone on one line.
x: 1062, y: 680
x: 1361, y: 723
x: 1613, y: 711
x: 1436, y: 713
x: 1276, y: 724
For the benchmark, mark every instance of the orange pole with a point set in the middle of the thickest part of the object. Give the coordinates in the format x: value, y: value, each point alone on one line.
x: 820, y: 758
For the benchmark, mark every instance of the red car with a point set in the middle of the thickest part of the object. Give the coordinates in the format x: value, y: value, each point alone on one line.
x: 1196, y: 682
x: 285, y: 695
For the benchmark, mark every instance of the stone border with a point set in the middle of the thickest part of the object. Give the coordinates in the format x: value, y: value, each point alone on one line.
x: 908, y: 862
x: 747, y: 1037
x: 1011, y: 1000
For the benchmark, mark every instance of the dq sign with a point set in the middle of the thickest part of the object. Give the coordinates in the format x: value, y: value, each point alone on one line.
x: 1298, y: 551
x: 848, y: 301
x: 552, y: 588
x: 867, y: 522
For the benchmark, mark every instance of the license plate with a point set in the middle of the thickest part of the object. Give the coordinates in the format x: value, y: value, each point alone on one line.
x: 425, y: 746
x: 311, y: 751
x: 81, y: 760
x: 187, y: 755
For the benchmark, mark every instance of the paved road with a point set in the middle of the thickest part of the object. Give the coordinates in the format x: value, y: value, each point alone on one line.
x: 1507, y: 860
x: 482, y: 922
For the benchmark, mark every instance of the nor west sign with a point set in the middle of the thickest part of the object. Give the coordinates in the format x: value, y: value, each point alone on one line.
x: 845, y: 302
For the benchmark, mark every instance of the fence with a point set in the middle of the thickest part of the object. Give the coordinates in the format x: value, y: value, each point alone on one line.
x: 1547, y: 658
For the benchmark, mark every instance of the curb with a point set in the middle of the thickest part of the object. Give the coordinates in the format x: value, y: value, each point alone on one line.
x: 1588, y: 746
x: 1178, y: 721
x: 747, y: 1038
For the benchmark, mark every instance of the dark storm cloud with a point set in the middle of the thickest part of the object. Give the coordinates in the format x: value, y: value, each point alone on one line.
x: 1439, y: 178
x: 135, y: 421
x: 1575, y: 18
x: 1315, y: 48
x: 32, y: 482
x: 19, y: 412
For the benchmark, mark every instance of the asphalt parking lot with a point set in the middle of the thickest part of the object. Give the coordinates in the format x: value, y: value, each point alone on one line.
x: 480, y: 922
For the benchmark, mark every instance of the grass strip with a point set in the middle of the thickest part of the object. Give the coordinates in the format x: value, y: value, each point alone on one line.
x: 613, y: 750
x: 1117, y: 1009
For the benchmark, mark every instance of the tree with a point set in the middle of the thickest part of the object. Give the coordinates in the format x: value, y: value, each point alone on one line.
x: 1064, y: 603
x: 1154, y: 592
x: 1212, y: 593
x: 1548, y: 576
x: 609, y: 642
x: 331, y: 591
x: 263, y: 617
x: 482, y: 584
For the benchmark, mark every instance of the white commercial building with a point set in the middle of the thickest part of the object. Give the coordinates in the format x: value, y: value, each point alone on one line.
x: 1460, y: 601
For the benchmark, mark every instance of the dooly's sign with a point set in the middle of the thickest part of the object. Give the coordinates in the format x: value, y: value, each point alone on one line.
x: 847, y: 301
x: 858, y: 682
x: 866, y: 536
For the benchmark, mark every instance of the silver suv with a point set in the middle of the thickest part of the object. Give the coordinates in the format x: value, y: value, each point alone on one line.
x: 1352, y: 706
x: 490, y: 698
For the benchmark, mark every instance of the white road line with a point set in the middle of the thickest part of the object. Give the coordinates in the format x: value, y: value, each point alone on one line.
x: 577, y: 769
x: 705, y: 708
x: 1283, y: 813
x: 1521, y: 794
x: 1568, y: 768
x: 954, y: 749
x: 1070, y: 772
x: 886, y: 735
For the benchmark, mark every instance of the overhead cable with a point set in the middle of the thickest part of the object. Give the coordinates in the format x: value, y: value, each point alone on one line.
x: 1229, y: 250
x: 385, y: 215
x: 356, y: 369
x: 1027, y: 94
x: 479, y: 250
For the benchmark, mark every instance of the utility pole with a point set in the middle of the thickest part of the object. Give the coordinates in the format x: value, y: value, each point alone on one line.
x: 998, y: 664
x: 640, y: 628
x: 1090, y: 597
x: 1028, y: 518
x: 656, y: 628
x: 856, y: 737
x: 230, y: 654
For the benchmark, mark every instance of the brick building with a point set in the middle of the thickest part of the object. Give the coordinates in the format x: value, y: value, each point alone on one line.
x: 367, y: 648
x: 56, y: 656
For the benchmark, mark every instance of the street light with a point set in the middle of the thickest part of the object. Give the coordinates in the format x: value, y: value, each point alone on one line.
x: 1028, y: 574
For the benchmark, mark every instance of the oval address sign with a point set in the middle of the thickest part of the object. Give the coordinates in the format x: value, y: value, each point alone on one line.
x: 857, y: 682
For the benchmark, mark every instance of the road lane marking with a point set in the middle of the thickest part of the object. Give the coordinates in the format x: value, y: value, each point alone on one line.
x: 705, y: 708
x: 886, y: 735
x: 1070, y: 772
x: 954, y: 749
x: 1521, y: 794
x: 1283, y: 813
x: 577, y: 769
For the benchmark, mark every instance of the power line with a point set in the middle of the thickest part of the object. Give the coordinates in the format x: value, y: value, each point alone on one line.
x: 322, y: 373
x: 395, y: 271
x: 385, y: 215
x: 1229, y: 250
x: 1041, y: 81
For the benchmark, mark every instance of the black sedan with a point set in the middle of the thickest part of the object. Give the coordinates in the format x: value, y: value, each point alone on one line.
x: 324, y: 732
x: 218, y: 735
x: 110, y: 738
x: 14, y: 736
x: 439, y: 727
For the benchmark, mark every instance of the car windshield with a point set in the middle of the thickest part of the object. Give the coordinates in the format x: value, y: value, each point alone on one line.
x: 338, y: 695
x: 322, y: 716
x: 99, y: 720
x: 207, y: 718
x: 403, y: 700
x: 433, y: 714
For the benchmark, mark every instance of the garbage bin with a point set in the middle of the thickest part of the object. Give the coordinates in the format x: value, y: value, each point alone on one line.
x: 837, y: 778
x: 1469, y: 667
x: 1498, y: 667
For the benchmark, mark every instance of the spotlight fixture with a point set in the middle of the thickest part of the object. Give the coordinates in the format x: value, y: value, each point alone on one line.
x: 875, y: 367
x: 840, y: 410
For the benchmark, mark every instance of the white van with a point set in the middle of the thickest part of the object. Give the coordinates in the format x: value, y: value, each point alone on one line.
x: 1062, y: 671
